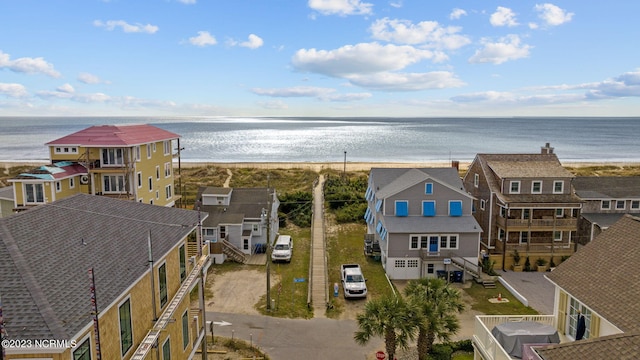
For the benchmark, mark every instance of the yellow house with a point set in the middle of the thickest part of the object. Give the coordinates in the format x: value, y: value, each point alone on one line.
x: 133, y: 162
x: 131, y: 262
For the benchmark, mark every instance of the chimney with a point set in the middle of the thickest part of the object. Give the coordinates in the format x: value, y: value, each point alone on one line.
x: 455, y: 164
x: 546, y: 149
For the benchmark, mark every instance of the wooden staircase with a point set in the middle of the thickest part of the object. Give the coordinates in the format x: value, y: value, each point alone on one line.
x: 489, y: 284
x: 233, y: 252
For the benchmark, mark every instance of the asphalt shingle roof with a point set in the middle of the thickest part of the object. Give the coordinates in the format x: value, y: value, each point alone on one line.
x: 47, y: 251
x: 393, y: 180
x: 613, y: 347
x: 607, y: 187
x: 244, y: 203
x: 115, y: 135
x: 604, y: 274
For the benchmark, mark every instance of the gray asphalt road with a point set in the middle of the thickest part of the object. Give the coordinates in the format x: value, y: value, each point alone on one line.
x: 283, y: 339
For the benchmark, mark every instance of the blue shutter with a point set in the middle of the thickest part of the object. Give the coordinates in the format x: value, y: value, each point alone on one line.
x: 428, y: 188
x: 378, y: 205
x: 366, y: 214
x: 368, y: 194
x: 455, y: 208
x: 402, y: 208
x: 429, y: 208
x: 379, y: 227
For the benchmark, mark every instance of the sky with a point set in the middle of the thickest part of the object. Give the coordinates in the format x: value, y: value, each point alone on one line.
x: 251, y: 58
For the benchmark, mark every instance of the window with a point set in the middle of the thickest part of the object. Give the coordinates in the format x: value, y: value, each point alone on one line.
x: 126, y: 334
x: 256, y: 227
x: 183, y: 263
x: 500, y: 234
x: 223, y: 232
x: 620, y: 204
x: 606, y: 204
x: 526, y: 213
x: 166, y: 350
x: 455, y: 208
x: 148, y: 151
x: 413, y: 243
x: 558, y: 187
x: 424, y: 242
x: 524, y: 237
x: 399, y: 263
x: 476, y: 180
x: 112, y: 157
x: 483, y: 204
x: 245, y: 244
x: 167, y: 191
x: 557, y: 236
x: 72, y: 183
x: 428, y: 188
x: 83, y: 350
x: 157, y: 172
x: 162, y: 281
x: 157, y: 194
x: 34, y: 193
x: 412, y: 263
x: 635, y: 204
x: 503, y: 211
x: 150, y: 183
x: 66, y: 150
x: 574, y: 307
x: 58, y: 186
x: 514, y: 187
x: 430, y: 268
x: 167, y: 147
x: 185, y: 329
x: 429, y: 208
x: 167, y: 169
x: 139, y: 177
x: 154, y: 147
x: 113, y: 183
x: 559, y: 212
x: 448, y: 242
x: 536, y: 187
x: 402, y: 208
x: 137, y: 152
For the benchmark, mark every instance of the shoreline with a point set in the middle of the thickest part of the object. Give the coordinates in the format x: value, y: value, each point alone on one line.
x: 319, y: 166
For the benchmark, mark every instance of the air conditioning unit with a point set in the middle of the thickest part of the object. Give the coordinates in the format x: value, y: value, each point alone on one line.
x: 84, y: 179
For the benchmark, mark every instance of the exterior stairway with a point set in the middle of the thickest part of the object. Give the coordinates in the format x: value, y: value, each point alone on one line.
x: 233, y: 252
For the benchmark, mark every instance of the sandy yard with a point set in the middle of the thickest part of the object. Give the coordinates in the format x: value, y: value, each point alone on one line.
x: 237, y: 291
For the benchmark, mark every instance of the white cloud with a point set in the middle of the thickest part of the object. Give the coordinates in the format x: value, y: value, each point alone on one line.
x: 66, y: 88
x: 126, y: 27
x: 429, y: 33
x: 273, y: 105
x: 457, y: 14
x: 553, y: 15
x: 203, y: 39
x: 503, y: 17
x: 188, y: 2
x: 407, y: 81
x: 254, y: 42
x: 13, y: 90
x: 28, y: 65
x: 506, y: 49
x: 87, y: 78
x: 363, y: 58
x: 341, y: 7
x: 396, y: 4
x: 324, y: 94
x: 533, y: 26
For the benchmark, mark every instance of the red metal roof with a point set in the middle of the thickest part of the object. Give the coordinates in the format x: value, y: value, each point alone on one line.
x: 115, y: 135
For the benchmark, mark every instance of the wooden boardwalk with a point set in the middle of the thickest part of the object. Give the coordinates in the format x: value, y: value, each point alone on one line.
x: 319, y: 290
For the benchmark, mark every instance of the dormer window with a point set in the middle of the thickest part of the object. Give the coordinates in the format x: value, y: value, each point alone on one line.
x: 558, y: 187
x: 536, y: 187
x: 514, y: 187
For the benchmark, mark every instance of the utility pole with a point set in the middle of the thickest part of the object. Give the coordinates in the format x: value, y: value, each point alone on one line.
x: 2, y: 332
x: 344, y: 171
x: 202, y: 306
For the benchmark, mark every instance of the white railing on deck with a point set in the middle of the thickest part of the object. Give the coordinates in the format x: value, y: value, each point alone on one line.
x: 484, y: 341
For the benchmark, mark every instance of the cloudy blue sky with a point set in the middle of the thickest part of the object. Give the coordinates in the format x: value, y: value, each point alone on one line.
x: 320, y: 58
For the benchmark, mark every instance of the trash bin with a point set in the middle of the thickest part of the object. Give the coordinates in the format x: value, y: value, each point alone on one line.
x: 441, y: 274
x: 455, y: 276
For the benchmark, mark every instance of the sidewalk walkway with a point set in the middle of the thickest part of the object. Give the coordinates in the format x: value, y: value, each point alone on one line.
x: 539, y: 291
x: 319, y: 262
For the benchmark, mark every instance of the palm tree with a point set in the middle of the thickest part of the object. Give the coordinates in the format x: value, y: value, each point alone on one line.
x: 389, y: 317
x: 438, y: 304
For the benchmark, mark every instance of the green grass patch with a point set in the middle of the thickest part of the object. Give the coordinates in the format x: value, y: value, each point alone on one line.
x: 290, y: 296
x: 481, y: 303
x: 345, y: 246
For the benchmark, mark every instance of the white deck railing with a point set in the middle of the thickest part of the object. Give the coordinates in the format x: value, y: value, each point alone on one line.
x: 486, y: 344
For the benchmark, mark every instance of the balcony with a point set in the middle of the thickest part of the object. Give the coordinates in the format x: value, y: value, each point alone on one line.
x: 487, y: 346
x: 538, y: 224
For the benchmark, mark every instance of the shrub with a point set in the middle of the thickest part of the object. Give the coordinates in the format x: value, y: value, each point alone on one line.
x: 527, y: 265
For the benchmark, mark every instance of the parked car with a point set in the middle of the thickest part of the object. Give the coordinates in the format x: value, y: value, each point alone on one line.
x: 353, y: 282
x: 283, y: 250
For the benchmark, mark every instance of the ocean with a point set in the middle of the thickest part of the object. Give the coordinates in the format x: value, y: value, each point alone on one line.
x: 316, y: 139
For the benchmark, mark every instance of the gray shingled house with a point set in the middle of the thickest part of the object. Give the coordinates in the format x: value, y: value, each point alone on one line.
x: 46, y: 254
x: 606, y: 200
x: 524, y: 202
x: 422, y: 220
x: 238, y: 221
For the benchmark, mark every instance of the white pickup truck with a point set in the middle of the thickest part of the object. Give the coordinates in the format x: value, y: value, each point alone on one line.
x: 353, y: 282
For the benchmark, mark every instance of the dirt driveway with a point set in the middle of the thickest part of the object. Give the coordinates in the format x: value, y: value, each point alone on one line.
x: 237, y: 291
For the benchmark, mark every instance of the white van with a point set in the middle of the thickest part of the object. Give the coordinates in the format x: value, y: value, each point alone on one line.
x: 283, y: 249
